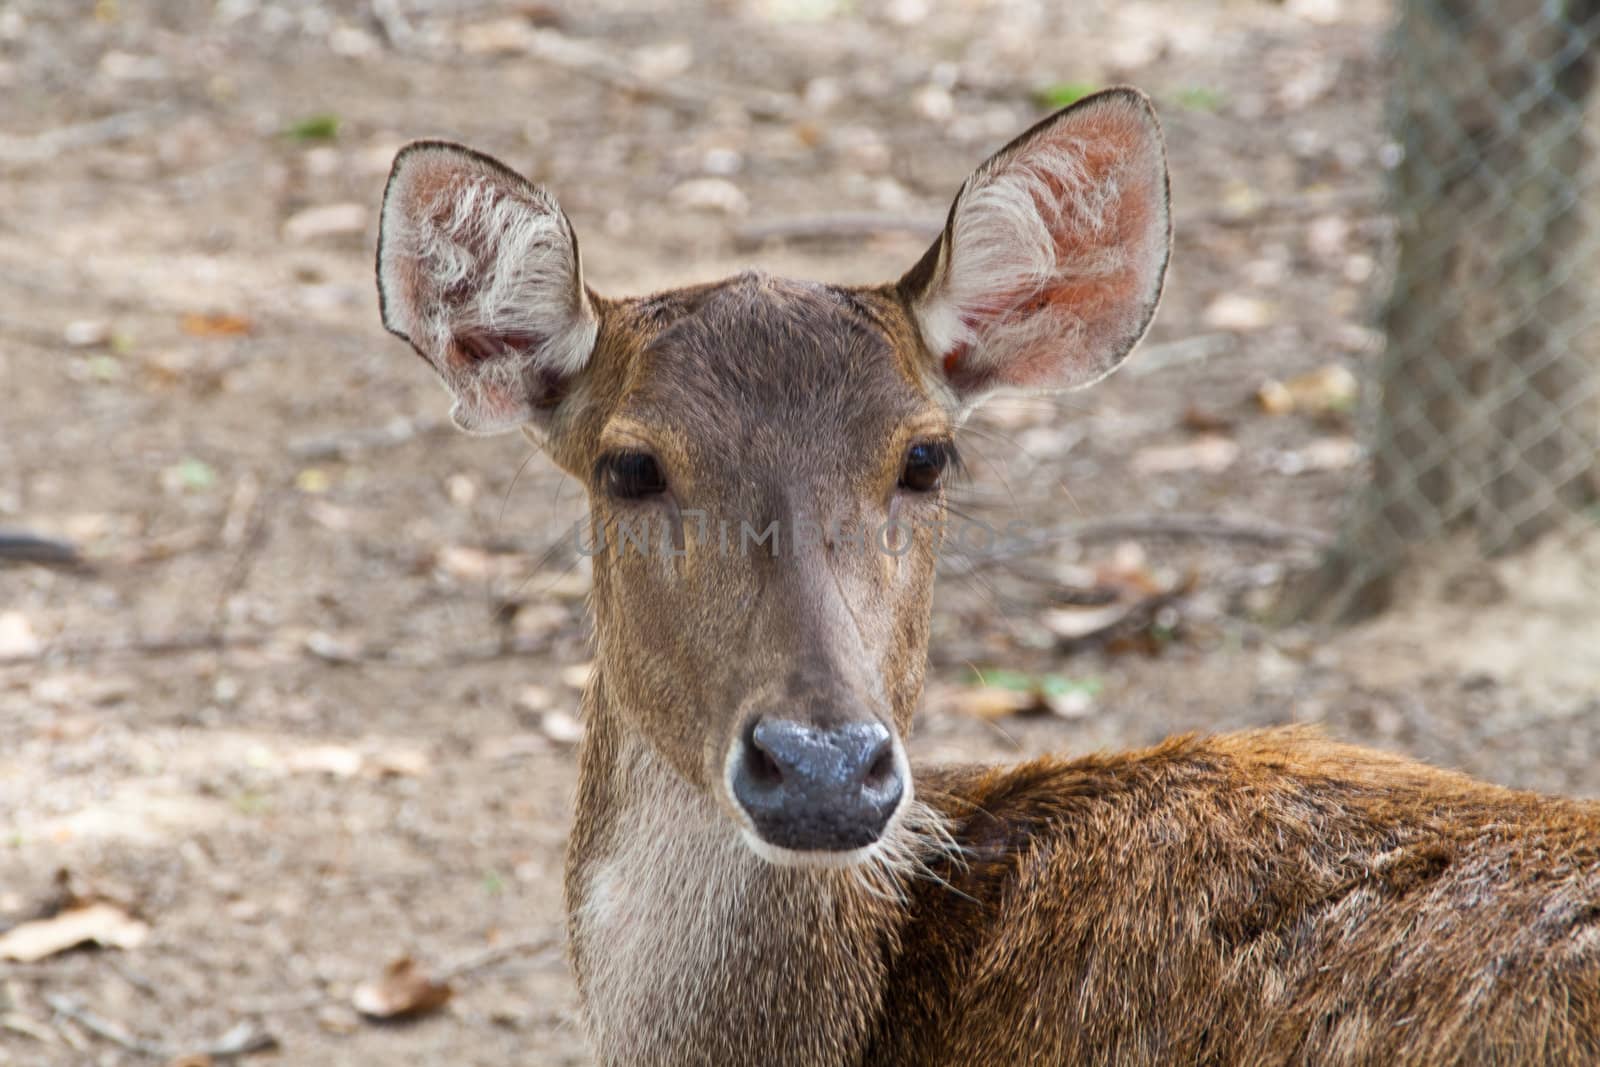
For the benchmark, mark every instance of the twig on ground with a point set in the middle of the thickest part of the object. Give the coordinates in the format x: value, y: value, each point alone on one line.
x: 394, y: 24
x: 18, y: 1023
x: 493, y: 957
x: 176, y: 543
x: 1293, y: 206
x: 242, y: 1039
x: 30, y: 334
x: 18, y: 547
x: 160, y: 646
x: 104, y: 1028
x: 1261, y: 533
x: 691, y: 98
x: 856, y: 224
x: 242, y: 530
x: 285, y: 1005
x: 1154, y: 358
x: 843, y: 226
x: 129, y: 975
x: 346, y: 443
x: 43, y: 147
x: 211, y: 641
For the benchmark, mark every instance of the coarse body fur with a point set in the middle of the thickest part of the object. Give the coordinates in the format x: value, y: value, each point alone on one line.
x: 1252, y: 899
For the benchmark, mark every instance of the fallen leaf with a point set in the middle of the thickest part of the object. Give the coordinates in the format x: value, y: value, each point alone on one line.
x: 1002, y: 693
x: 577, y: 675
x: 1320, y: 12
x: 498, y: 37
x: 662, y: 60
x: 338, y: 761
x: 1208, y: 453
x: 561, y: 727
x: 331, y: 649
x: 534, y: 698
x: 1076, y: 624
x: 87, y: 333
x: 1063, y: 94
x: 1071, y: 704
x: 243, y: 1038
x: 1332, y: 389
x: 934, y: 102
x: 17, y: 639
x: 1323, y: 454
x: 463, y: 563
x: 398, y: 763
x: 326, y: 220
x: 1275, y: 398
x: 215, y: 324
x: 97, y: 922
x: 338, y: 1019
x: 710, y: 194
x: 324, y: 127
x: 18, y: 1023
x: 189, y: 475
x: 985, y: 702
x: 404, y: 991
x: 1199, y: 420
x: 1200, y: 98
x: 1240, y: 314
x: 313, y: 480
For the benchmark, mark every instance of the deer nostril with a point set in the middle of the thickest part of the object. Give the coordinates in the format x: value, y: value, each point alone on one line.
x: 882, y: 769
x: 760, y: 765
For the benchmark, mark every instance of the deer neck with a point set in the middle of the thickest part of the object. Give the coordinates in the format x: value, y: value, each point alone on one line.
x: 688, y: 947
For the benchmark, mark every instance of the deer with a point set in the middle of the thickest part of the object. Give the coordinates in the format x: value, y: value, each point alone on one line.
x: 756, y: 874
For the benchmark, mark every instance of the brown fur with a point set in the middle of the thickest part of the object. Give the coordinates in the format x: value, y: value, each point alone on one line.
x: 1267, y: 898
x: 1262, y: 898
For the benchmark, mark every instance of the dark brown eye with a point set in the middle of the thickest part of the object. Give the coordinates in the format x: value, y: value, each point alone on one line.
x: 925, y: 463
x: 631, y: 475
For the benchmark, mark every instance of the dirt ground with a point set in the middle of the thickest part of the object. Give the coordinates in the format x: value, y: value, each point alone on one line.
x: 310, y: 710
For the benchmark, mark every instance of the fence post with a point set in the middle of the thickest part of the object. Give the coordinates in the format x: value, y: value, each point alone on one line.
x: 1487, y: 416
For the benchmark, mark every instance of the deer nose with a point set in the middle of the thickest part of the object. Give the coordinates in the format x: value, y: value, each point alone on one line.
x: 813, y: 788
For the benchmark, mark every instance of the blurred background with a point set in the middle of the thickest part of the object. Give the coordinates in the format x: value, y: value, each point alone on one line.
x: 288, y: 668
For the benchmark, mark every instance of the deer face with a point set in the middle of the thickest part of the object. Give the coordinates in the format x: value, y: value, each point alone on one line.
x: 765, y: 459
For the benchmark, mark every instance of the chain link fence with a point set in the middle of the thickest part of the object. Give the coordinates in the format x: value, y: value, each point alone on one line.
x: 1487, y: 417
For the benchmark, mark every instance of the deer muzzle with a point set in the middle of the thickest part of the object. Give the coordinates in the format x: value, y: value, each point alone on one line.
x: 817, y: 789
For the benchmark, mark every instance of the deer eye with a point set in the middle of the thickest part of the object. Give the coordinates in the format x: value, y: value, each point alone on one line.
x: 631, y: 475
x: 925, y: 463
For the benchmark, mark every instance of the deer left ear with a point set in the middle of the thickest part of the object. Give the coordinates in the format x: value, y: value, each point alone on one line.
x: 478, y: 269
x: 1051, y: 264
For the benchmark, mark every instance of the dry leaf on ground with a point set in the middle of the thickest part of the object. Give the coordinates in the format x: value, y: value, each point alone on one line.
x: 1003, y: 693
x: 1327, y: 390
x: 215, y: 324
x: 403, y: 992
x: 98, y: 922
x: 17, y: 639
x: 1209, y: 453
x: 561, y: 727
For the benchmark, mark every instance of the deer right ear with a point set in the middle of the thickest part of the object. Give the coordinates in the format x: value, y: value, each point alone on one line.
x: 478, y: 268
x: 1050, y: 267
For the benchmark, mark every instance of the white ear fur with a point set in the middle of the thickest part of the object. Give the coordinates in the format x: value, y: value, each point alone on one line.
x: 479, y: 270
x: 1052, y: 264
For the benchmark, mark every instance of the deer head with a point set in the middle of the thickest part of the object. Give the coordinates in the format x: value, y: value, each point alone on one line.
x: 764, y: 458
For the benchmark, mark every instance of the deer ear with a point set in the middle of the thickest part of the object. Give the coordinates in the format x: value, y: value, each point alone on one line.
x: 478, y: 268
x: 1051, y: 264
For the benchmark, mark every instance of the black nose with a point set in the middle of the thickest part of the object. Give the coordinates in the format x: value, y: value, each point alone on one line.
x: 817, y: 788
